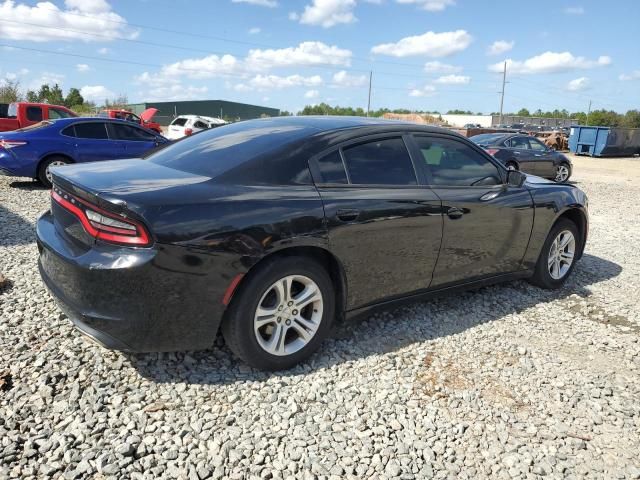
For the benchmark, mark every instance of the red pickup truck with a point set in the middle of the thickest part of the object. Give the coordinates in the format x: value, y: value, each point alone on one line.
x: 144, y: 119
x: 23, y: 114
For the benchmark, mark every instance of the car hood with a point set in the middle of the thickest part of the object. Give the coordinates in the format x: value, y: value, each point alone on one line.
x: 148, y: 114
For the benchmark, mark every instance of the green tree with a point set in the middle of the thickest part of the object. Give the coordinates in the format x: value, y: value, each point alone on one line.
x: 523, y: 112
x: 632, y: 119
x: 10, y: 91
x: 73, y: 98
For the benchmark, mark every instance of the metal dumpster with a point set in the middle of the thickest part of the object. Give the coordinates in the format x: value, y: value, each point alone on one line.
x: 604, y: 141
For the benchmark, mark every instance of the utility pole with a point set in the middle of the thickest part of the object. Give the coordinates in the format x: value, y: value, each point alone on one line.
x: 588, y: 113
x: 369, y: 101
x: 504, y: 81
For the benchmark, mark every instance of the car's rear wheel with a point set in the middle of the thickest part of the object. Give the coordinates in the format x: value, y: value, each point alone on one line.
x: 558, y: 256
x: 279, y: 317
x: 563, y: 172
x: 44, y: 174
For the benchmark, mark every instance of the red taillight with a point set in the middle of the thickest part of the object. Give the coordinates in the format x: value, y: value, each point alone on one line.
x: 188, y: 131
x: 492, y: 151
x: 101, y: 224
x: 9, y: 144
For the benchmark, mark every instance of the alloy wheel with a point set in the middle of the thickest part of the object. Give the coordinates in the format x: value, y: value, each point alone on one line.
x: 561, y: 254
x: 288, y: 315
x: 562, y: 173
x: 55, y: 163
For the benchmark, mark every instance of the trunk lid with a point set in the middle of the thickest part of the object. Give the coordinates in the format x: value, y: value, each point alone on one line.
x: 133, y: 185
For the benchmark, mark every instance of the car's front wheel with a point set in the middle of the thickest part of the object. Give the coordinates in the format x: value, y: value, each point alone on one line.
x: 281, y: 314
x: 558, y: 256
x: 563, y: 172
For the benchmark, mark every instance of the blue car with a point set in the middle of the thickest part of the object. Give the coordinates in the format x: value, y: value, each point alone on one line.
x: 30, y: 151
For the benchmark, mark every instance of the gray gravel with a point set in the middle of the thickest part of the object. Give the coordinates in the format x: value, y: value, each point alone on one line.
x: 505, y: 382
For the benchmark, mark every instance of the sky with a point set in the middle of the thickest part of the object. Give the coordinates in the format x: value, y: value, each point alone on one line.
x: 429, y: 55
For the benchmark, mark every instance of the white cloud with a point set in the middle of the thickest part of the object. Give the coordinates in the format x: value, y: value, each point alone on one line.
x: 625, y: 77
x: 430, y: 44
x: 49, y: 78
x: 260, y: 3
x: 439, y: 67
x: 206, y: 67
x: 14, y: 75
x: 82, y: 67
x: 305, y: 54
x: 430, y: 5
x: 578, y: 84
x: 326, y: 13
x: 426, y: 91
x: 254, y: 30
x: 90, y: 16
x: 574, y: 10
x: 312, y: 94
x: 271, y: 82
x: 550, y: 62
x: 343, y: 79
x: 499, y: 46
x: 96, y: 93
x: 104, y: 51
x: 453, y: 80
x: 175, y: 92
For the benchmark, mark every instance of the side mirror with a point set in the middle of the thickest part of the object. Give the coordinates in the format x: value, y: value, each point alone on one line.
x: 515, y: 178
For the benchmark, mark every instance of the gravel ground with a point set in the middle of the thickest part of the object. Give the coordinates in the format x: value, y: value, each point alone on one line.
x: 504, y: 382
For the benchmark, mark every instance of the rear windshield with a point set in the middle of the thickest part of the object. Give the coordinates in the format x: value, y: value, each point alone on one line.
x: 179, y: 122
x: 486, y: 138
x: 216, y: 151
x: 35, y: 126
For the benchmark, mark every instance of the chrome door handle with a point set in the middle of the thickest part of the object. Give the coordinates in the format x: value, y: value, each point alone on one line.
x: 489, y: 196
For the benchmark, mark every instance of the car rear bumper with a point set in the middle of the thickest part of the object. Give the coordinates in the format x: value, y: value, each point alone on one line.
x: 132, y: 299
x: 12, y: 166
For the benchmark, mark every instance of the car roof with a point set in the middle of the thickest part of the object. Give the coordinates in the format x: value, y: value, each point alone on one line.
x: 330, y: 123
x: 64, y: 121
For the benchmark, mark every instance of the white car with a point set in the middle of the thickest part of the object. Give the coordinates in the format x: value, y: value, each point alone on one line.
x: 186, y: 125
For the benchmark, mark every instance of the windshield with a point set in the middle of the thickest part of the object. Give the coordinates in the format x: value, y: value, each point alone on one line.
x: 216, y: 151
x: 35, y: 126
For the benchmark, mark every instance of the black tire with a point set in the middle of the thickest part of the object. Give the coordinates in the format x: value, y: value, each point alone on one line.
x: 511, y: 165
x: 42, y: 169
x: 541, y: 277
x: 238, y: 323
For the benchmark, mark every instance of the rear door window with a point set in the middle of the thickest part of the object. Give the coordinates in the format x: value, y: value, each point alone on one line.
x: 199, y: 124
x: 94, y: 130
x: 380, y: 162
x: 520, y: 142
x: 129, y: 133
x: 537, y: 145
x: 34, y: 114
x: 332, y: 169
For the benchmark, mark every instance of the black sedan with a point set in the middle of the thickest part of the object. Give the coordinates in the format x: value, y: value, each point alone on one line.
x: 273, y: 229
x: 526, y: 153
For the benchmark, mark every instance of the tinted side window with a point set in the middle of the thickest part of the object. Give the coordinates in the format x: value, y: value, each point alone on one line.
x: 127, y: 132
x: 34, y: 114
x: 452, y: 163
x: 96, y: 130
x: 179, y: 122
x: 332, y: 169
x: 199, y: 124
x: 520, y: 142
x: 381, y: 162
x: 537, y: 145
